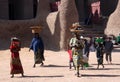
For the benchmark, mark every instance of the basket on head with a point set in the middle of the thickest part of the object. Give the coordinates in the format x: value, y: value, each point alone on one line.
x: 36, y: 29
x: 76, y: 28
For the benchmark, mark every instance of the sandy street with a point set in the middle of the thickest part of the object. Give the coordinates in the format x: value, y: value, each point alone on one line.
x: 56, y: 68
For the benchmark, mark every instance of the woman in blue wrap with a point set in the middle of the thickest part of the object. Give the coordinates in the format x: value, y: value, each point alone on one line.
x: 38, y: 47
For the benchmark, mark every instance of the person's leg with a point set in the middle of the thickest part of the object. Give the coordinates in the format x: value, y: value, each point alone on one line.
x: 34, y: 59
x: 12, y: 76
x: 110, y: 58
x: 77, y: 71
x: 34, y: 65
x: 103, y: 65
x: 74, y: 66
x: 70, y: 64
x: 98, y: 66
x: 82, y: 65
x: 102, y: 61
x: 98, y: 63
x: 41, y: 63
x: 107, y: 57
x: 22, y: 74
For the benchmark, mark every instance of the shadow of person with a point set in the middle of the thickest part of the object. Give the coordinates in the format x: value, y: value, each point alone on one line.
x: 99, y: 75
x: 51, y: 76
x: 50, y: 65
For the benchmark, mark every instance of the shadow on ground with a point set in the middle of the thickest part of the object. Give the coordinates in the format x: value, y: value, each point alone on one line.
x: 104, y: 68
x: 52, y: 76
x: 99, y: 75
x: 109, y: 64
x: 50, y: 65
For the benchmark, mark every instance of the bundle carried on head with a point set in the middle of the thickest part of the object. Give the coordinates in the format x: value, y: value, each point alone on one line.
x: 16, y: 42
x: 14, y: 39
x: 36, y: 29
x: 76, y: 27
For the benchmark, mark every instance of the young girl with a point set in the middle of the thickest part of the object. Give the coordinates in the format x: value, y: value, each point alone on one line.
x: 99, y: 54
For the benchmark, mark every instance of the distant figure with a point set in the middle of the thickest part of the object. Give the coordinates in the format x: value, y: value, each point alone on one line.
x: 86, y: 48
x: 38, y: 47
x: 99, y: 54
x: 15, y: 63
x: 92, y: 44
x: 96, y: 17
x: 108, y: 49
x: 86, y: 51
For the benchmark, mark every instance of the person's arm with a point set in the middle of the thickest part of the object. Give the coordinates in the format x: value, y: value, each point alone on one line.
x: 31, y: 45
x: 70, y: 43
x: 112, y: 46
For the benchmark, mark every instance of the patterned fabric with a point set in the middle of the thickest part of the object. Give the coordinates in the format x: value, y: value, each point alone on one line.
x: 77, y: 57
x: 38, y: 58
x: 15, y: 63
x: 77, y: 51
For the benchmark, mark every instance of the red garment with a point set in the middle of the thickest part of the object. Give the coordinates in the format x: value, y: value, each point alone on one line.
x: 70, y: 55
x: 95, y: 12
x: 95, y: 7
x: 15, y: 63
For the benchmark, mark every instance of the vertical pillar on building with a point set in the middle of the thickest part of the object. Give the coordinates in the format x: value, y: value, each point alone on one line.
x: 68, y: 15
x: 80, y: 9
x: 15, y: 9
x: 35, y: 5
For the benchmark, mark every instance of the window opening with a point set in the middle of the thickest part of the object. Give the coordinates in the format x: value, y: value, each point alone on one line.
x: 54, y: 5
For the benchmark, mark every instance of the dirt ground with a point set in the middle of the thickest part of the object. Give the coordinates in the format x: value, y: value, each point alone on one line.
x: 56, y: 68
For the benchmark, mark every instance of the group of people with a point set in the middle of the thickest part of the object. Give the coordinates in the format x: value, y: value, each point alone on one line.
x: 80, y: 48
x: 104, y: 45
x: 36, y: 45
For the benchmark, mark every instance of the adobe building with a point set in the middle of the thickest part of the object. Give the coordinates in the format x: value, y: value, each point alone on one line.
x: 56, y: 16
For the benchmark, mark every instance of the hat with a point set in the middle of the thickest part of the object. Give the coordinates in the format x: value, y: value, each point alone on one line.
x: 75, y: 24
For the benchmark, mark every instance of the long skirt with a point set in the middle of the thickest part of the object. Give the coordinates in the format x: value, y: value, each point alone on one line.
x: 15, y: 64
x: 39, y: 57
x: 77, y: 57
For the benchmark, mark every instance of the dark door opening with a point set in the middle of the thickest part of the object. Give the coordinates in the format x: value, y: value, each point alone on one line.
x: 84, y: 10
x: 35, y: 5
x: 15, y: 9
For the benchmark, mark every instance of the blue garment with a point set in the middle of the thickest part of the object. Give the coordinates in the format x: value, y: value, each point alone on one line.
x: 36, y: 44
x: 86, y: 48
x: 108, y: 46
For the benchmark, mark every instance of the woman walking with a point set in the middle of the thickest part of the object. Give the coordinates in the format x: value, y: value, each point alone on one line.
x: 38, y: 47
x: 99, y: 54
x: 77, y: 46
x: 15, y: 63
x: 108, y: 50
